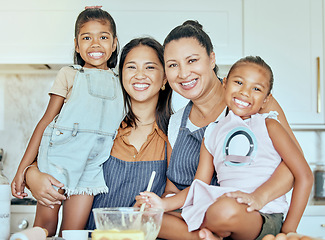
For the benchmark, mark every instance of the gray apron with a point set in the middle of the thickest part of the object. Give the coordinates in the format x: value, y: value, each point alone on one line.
x: 186, y: 154
x: 125, y: 180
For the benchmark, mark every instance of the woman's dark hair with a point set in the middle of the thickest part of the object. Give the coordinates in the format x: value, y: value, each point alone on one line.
x: 164, y: 108
x: 258, y: 61
x: 192, y: 29
x: 95, y: 14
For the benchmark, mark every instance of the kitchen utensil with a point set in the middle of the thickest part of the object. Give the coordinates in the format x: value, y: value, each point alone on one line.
x: 75, y: 234
x: 127, y: 223
x: 35, y: 233
x: 153, y: 174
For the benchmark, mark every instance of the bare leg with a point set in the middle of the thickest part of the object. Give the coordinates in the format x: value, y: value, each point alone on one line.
x: 174, y: 228
x: 47, y: 218
x: 76, y: 211
x: 226, y: 217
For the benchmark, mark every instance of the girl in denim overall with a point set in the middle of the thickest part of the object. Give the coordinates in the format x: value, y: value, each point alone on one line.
x: 76, y: 133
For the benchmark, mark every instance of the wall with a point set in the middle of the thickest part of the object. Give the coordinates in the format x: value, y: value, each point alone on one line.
x: 24, y: 98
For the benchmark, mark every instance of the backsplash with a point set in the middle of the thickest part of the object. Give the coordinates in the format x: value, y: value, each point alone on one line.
x: 23, y: 100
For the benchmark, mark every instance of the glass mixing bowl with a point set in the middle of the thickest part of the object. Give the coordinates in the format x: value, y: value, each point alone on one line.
x: 127, y: 223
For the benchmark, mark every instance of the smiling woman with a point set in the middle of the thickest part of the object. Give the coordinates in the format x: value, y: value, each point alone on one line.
x: 190, y: 70
x: 138, y: 74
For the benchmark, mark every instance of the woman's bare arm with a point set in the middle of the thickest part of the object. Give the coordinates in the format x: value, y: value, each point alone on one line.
x: 41, y: 186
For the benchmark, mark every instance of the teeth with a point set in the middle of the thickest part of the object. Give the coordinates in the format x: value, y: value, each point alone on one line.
x: 189, y: 83
x: 245, y: 104
x: 139, y: 85
x: 96, y: 54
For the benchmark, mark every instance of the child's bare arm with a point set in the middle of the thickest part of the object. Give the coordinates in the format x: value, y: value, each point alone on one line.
x: 53, y: 108
x: 303, y: 177
x: 204, y: 172
x: 205, y: 169
x: 273, y: 105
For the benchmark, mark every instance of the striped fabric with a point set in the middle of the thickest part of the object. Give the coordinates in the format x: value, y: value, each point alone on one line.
x: 125, y: 180
x: 186, y: 153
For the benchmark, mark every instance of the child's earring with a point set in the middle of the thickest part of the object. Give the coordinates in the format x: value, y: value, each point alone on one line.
x: 163, y: 87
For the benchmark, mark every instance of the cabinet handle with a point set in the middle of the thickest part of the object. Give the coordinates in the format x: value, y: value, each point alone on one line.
x: 318, y: 86
x: 322, y: 225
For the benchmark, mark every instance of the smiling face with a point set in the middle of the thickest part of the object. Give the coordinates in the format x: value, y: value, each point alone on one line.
x: 247, y: 89
x: 143, y: 75
x: 189, y: 69
x: 95, y: 44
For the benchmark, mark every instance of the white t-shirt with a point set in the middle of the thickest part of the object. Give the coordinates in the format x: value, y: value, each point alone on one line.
x: 175, y: 123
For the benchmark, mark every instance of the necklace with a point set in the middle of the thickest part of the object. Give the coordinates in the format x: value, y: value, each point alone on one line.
x: 146, y: 124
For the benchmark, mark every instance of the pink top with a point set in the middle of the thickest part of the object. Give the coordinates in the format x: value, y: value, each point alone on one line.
x: 244, y: 158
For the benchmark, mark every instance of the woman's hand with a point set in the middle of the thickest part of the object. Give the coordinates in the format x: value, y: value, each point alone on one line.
x: 247, y: 198
x: 41, y: 186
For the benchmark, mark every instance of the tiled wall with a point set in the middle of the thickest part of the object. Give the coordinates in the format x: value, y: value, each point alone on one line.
x: 24, y: 99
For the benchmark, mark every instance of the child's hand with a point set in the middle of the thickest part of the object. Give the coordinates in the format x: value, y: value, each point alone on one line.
x: 247, y: 198
x: 151, y: 199
x: 139, y: 201
x: 18, y: 186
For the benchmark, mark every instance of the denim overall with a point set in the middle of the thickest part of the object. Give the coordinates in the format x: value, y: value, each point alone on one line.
x: 185, y: 156
x: 79, y: 140
x: 126, y: 180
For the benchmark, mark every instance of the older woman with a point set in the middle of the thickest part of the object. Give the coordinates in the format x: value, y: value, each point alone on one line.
x: 191, y: 71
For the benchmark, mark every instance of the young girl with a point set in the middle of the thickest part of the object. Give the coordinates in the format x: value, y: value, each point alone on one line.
x: 80, y: 123
x: 140, y: 145
x: 244, y: 149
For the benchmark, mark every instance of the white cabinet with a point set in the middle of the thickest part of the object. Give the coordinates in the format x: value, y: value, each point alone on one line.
x: 36, y: 31
x: 312, y: 226
x: 313, y: 222
x: 289, y: 36
x: 221, y: 19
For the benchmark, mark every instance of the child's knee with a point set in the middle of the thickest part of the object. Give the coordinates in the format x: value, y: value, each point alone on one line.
x: 224, y: 211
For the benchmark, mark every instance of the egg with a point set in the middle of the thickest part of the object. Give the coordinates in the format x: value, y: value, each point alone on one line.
x: 281, y: 236
x: 305, y: 238
x: 268, y: 237
x: 293, y: 237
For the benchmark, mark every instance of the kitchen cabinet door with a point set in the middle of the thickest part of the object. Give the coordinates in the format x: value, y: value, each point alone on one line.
x: 37, y: 32
x: 289, y: 36
x: 221, y: 19
x: 43, y: 31
x: 312, y: 226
